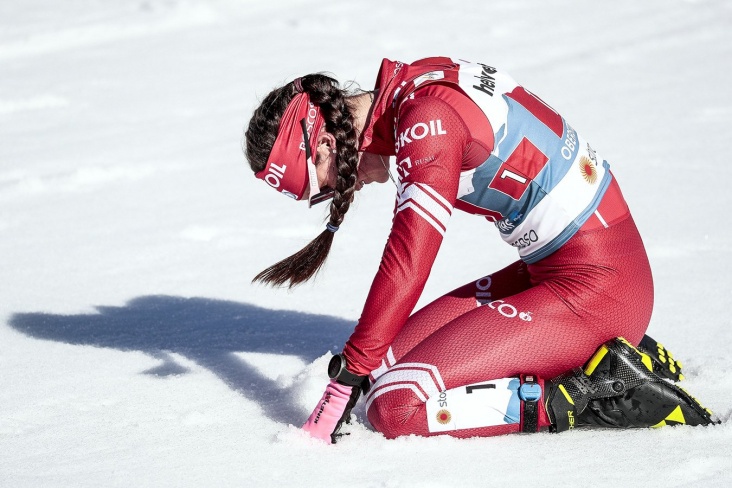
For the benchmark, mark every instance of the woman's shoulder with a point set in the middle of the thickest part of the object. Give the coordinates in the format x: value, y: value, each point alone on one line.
x: 436, y: 100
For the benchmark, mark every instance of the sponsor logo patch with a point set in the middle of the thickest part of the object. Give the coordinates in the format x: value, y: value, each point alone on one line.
x: 487, y: 83
x: 588, y: 170
x: 444, y: 416
x: 509, y: 311
x: 418, y: 131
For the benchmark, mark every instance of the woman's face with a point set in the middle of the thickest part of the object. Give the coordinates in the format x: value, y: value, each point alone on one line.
x: 372, y: 168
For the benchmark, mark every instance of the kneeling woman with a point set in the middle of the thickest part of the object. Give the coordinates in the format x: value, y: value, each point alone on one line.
x: 466, y: 136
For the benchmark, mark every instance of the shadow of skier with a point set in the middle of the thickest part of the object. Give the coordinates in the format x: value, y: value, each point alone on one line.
x: 206, y: 331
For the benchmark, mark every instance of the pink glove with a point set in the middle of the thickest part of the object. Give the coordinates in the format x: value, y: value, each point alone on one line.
x: 332, y: 410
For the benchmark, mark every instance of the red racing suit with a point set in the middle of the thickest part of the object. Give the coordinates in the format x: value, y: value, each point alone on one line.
x: 466, y: 136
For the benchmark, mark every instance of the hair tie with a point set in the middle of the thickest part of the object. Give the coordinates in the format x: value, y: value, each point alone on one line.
x: 298, y: 84
x: 331, y: 227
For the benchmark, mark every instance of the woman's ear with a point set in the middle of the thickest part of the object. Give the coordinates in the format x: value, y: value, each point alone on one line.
x: 326, y: 147
x: 327, y: 139
x: 326, y: 151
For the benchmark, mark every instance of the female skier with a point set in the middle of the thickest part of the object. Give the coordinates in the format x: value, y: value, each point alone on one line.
x: 500, y: 354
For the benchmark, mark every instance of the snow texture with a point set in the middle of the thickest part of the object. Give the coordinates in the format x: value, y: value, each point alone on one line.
x: 134, y: 351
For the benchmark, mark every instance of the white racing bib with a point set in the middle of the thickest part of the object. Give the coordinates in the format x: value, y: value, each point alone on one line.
x: 484, y: 404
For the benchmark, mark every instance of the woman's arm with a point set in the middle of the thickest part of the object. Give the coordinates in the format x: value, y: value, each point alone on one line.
x: 431, y: 138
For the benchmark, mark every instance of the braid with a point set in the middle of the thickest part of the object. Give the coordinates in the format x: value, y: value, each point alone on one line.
x: 326, y: 93
x: 338, y: 121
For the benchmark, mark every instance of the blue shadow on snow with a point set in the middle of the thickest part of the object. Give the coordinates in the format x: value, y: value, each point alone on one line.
x: 205, y: 331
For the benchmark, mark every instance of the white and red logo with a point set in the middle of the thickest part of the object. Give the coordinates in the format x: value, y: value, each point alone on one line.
x: 309, y: 123
x: 274, y: 175
x: 419, y: 131
x: 509, y: 311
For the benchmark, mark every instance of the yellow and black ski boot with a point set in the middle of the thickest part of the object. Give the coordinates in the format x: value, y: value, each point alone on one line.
x: 664, y: 363
x: 618, y: 388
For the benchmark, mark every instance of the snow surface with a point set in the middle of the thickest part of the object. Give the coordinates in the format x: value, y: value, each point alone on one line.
x: 135, y: 352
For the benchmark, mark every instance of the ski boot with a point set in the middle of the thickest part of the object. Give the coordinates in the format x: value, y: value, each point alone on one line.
x: 664, y: 364
x: 618, y: 388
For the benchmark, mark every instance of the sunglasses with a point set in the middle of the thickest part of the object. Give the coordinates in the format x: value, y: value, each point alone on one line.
x: 317, y: 194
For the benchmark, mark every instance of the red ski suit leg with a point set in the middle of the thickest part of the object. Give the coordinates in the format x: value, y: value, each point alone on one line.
x: 511, y: 280
x: 544, y: 319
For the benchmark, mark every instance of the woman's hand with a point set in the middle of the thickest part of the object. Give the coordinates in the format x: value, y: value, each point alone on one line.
x: 331, y: 411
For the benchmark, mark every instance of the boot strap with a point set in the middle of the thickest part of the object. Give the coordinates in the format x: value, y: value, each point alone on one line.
x: 530, y: 394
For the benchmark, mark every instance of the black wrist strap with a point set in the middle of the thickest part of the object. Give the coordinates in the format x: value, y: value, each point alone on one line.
x: 347, y: 378
x: 361, y: 382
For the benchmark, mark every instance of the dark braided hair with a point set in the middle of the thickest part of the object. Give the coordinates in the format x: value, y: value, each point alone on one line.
x: 325, y: 92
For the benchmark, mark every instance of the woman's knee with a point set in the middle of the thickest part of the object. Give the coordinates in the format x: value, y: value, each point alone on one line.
x: 396, y: 413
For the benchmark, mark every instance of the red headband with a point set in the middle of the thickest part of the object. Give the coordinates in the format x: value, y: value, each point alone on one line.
x: 290, y: 168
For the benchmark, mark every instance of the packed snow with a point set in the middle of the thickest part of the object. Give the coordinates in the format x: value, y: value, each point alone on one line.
x: 134, y: 350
